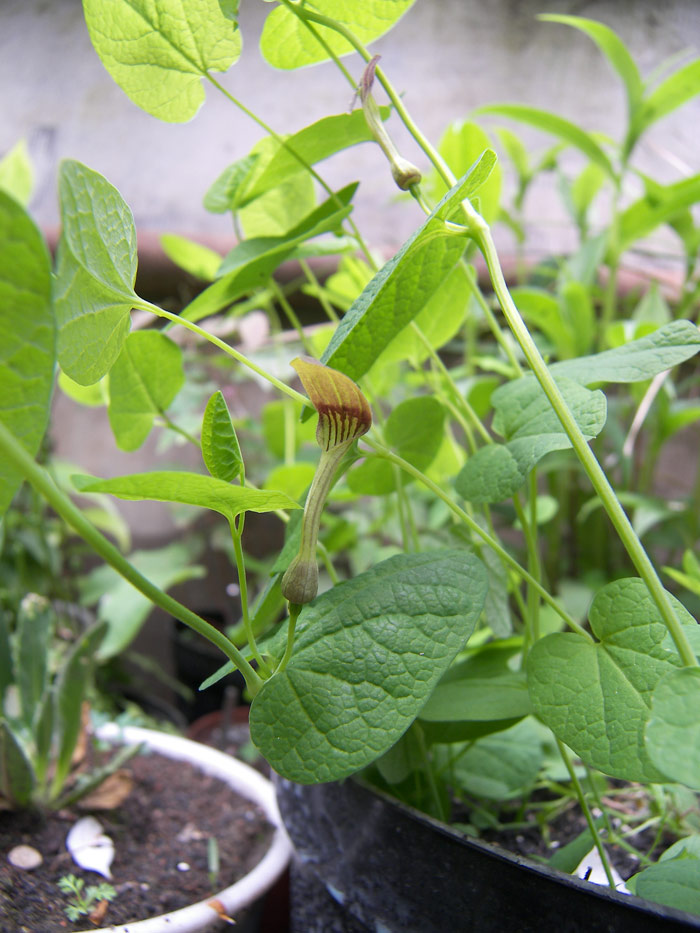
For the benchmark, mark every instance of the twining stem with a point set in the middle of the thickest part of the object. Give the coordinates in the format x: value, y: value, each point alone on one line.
x: 484, y: 535
x: 17, y: 456
x: 227, y: 348
x: 597, y: 477
x: 598, y: 842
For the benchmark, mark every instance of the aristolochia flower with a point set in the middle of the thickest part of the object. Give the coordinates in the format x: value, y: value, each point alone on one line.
x: 343, y: 416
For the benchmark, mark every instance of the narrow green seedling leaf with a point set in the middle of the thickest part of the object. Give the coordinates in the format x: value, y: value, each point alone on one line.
x: 190, y: 489
x: 461, y: 145
x: 541, y: 311
x: 95, y: 275
x: 6, y: 667
x: 673, y: 729
x: 403, y: 286
x: 17, y: 778
x: 280, y: 209
x: 672, y: 93
x: 658, y: 207
x: 158, y: 54
x: 70, y: 689
x: 249, y: 264
x: 226, y: 192
x: 596, y: 695
x: 143, y: 383
x: 613, y: 48
x: 557, y: 126
x: 637, y: 360
x: 35, y: 622
x: 17, y: 173
x: 334, y: 709
x: 311, y: 145
x: 27, y: 336
x: 200, y: 261
x: 220, y: 449
x: 287, y: 43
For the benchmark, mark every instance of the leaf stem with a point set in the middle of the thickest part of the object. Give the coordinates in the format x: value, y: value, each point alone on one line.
x: 598, y: 842
x: 294, y: 610
x: 596, y: 475
x: 477, y: 530
x: 227, y: 348
x: 18, y: 457
x: 245, y: 611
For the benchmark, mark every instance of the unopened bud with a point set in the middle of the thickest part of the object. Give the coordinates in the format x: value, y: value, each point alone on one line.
x: 404, y: 173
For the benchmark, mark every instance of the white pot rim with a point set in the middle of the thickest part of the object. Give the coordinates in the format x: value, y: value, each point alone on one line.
x: 247, y: 782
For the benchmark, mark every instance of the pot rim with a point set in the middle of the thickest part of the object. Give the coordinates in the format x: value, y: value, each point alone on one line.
x: 498, y: 854
x: 241, y: 778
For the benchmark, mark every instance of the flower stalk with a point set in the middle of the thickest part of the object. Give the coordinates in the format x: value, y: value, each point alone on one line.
x: 404, y: 173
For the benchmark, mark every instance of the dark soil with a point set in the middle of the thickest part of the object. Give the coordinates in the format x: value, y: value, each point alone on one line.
x: 165, y: 821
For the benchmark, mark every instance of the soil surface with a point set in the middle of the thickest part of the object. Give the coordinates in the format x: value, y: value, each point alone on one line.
x: 163, y: 825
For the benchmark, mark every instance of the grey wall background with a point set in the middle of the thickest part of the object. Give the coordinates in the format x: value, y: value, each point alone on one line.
x: 446, y: 56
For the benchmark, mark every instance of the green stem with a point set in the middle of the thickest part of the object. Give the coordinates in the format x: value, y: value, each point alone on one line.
x: 294, y: 610
x: 227, y: 348
x: 319, y: 291
x: 169, y: 423
x: 587, y: 813
x: 18, y: 457
x: 595, y: 473
x: 245, y: 610
x: 533, y: 565
x: 291, y: 315
x: 477, y: 530
x: 309, y: 16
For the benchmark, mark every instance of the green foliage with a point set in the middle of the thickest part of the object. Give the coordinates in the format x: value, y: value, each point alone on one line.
x: 452, y: 653
x: 42, y: 691
x: 95, y: 274
x: 333, y: 710
x: 207, y: 492
x: 403, y: 286
x: 84, y: 900
x: 144, y: 380
x: 158, y: 53
x: 17, y: 173
x: 287, y: 42
x: 27, y: 336
x: 596, y: 695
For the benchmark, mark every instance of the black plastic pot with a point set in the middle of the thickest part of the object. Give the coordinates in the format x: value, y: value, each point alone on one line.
x: 367, y: 863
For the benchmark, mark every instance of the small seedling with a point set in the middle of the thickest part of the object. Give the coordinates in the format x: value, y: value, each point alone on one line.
x: 84, y: 900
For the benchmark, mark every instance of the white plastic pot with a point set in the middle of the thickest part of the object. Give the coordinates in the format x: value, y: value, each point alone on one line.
x: 244, y: 781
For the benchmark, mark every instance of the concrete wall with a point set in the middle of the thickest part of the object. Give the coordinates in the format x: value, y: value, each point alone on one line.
x: 446, y: 56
